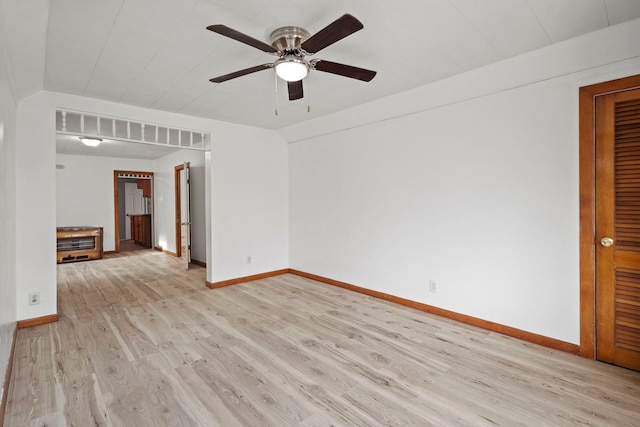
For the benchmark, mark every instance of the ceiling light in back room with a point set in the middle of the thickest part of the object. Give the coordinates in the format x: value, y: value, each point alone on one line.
x: 90, y: 141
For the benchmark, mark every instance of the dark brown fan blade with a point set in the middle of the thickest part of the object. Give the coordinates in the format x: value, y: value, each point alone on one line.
x: 337, y: 30
x: 344, y: 70
x: 295, y: 90
x: 242, y: 38
x: 240, y: 73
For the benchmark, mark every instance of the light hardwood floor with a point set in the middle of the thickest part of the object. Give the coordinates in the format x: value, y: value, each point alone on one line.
x: 140, y: 341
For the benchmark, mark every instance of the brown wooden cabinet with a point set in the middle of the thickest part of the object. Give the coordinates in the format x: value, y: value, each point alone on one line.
x: 141, y: 229
x: 78, y: 243
x: 145, y: 186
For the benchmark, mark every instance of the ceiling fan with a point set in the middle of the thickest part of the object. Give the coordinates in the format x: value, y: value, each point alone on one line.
x: 292, y: 45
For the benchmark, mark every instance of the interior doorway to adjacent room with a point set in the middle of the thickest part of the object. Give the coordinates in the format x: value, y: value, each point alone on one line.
x: 133, y: 201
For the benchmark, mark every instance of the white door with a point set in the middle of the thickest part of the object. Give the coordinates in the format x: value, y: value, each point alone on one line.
x: 133, y: 204
x: 186, y: 214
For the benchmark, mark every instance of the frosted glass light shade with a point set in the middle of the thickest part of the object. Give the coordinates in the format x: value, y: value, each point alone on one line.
x: 291, y: 70
x: 90, y: 141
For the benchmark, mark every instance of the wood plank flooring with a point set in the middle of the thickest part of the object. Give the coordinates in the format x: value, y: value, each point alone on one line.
x: 140, y: 341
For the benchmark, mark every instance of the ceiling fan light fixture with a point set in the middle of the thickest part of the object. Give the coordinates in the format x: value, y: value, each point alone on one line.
x: 90, y: 141
x: 291, y: 69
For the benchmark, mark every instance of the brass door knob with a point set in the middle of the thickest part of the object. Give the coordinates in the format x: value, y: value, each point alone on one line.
x: 606, y: 242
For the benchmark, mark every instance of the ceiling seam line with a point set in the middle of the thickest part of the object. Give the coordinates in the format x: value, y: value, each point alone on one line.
x: 46, y: 51
x: 544, y: 30
x: 95, y: 65
x: 145, y: 67
x: 477, y: 30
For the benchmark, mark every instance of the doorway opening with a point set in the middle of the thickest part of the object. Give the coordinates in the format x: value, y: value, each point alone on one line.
x: 133, y: 210
x: 591, y: 242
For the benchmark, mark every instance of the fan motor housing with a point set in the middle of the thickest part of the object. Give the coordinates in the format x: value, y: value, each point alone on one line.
x: 288, y: 39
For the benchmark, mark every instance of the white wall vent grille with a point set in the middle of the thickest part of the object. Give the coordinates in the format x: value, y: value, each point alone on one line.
x: 70, y: 122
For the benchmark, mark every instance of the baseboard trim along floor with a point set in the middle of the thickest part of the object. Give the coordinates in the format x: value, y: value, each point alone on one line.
x: 37, y: 321
x: 245, y: 279
x: 469, y: 320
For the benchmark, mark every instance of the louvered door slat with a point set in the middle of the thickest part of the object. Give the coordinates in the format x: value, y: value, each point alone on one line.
x: 629, y: 146
x: 628, y: 332
x: 626, y: 161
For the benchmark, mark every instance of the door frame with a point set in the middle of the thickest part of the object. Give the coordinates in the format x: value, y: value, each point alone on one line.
x: 587, y: 159
x: 116, y: 203
x: 178, y: 209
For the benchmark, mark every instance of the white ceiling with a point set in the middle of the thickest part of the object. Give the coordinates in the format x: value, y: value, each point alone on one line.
x: 158, y: 53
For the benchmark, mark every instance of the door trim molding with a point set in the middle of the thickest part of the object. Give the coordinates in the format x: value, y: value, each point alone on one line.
x: 586, y: 108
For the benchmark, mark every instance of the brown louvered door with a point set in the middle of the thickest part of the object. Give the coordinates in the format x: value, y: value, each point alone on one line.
x: 618, y: 219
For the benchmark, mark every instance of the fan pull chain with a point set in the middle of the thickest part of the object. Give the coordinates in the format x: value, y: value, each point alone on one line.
x: 308, y: 96
x: 276, y: 92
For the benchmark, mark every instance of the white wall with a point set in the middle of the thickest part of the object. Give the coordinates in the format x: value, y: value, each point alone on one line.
x: 472, y: 182
x: 246, y: 163
x: 35, y: 208
x: 84, y: 191
x: 7, y: 205
x: 164, y: 196
x: 249, y: 216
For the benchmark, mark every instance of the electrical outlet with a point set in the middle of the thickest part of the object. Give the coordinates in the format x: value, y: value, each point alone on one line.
x: 433, y: 286
x: 34, y: 298
x: 249, y: 259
